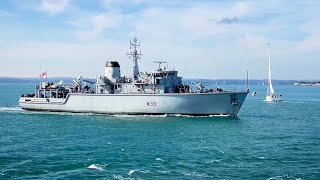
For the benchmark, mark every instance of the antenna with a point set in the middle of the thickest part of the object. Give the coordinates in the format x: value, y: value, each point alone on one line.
x: 247, y: 82
x: 126, y: 66
x: 159, y: 62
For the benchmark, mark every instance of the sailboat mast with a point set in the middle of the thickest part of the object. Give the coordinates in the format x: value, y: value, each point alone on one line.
x: 270, y: 88
x: 247, y: 81
x: 269, y: 63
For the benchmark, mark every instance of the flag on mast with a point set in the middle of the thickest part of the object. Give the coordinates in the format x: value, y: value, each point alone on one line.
x: 43, y: 75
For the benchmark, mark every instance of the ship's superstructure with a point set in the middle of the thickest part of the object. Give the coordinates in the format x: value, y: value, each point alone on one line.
x: 158, y: 92
x: 156, y: 82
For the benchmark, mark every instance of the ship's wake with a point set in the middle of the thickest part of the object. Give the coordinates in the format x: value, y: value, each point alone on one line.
x: 17, y: 109
x: 10, y: 109
x: 168, y: 115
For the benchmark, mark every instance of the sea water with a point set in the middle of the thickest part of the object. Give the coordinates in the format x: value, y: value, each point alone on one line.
x: 266, y: 141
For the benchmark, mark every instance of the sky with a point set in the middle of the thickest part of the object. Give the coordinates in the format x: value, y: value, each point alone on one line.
x: 210, y: 39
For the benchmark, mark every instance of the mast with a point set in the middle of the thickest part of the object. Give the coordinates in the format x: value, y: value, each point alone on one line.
x: 159, y: 62
x: 247, y: 81
x: 270, y: 88
x: 135, y: 56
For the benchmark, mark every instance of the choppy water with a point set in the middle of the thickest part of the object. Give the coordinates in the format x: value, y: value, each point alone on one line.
x: 266, y: 141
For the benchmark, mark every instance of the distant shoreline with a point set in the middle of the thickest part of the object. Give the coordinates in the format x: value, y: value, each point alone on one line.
x: 307, y: 83
x: 31, y: 80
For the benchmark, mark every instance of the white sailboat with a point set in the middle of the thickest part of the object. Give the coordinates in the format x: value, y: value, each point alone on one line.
x: 271, y: 95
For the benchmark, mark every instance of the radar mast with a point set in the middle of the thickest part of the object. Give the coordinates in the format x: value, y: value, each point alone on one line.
x: 135, y: 56
x: 159, y: 62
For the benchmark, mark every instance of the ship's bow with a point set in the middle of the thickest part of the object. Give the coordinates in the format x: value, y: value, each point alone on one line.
x: 237, y: 99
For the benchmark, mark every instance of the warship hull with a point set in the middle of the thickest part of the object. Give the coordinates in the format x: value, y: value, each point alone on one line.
x: 196, y: 104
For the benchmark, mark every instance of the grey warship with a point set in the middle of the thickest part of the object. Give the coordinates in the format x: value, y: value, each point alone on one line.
x: 145, y: 93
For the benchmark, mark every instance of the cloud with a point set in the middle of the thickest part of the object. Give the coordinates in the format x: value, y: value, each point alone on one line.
x: 311, y: 43
x: 187, y: 29
x: 92, y: 26
x: 199, y: 38
x: 101, y: 22
x: 53, y: 6
x: 241, y: 8
x: 109, y: 3
x: 133, y: 4
x: 59, y: 58
x: 5, y: 13
x: 228, y: 20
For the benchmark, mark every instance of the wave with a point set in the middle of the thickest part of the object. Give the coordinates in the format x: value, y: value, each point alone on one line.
x: 196, y: 174
x: 159, y: 159
x: 191, y: 116
x: 286, y: 176
x: 215, y: 161
x: 221, y: 115
x: 295, y: 148
x: 18, y: 109
x: 118, y: 177
x: 298, y: 101
x: 166, y: 115
x: 60, y: 113
x: 97, y: 167
x: 234, y: 146
x: 164, y: 172
x: 137, y: 170
x: 131, y: 116
x: 10, y: 109
x: 131, y: 172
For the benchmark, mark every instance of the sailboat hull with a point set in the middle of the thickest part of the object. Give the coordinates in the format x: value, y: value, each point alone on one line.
x: 273, y: 98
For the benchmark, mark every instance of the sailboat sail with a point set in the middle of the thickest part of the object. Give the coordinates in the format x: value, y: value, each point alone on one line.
x: 271, y: 95
x: 270, y: 89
